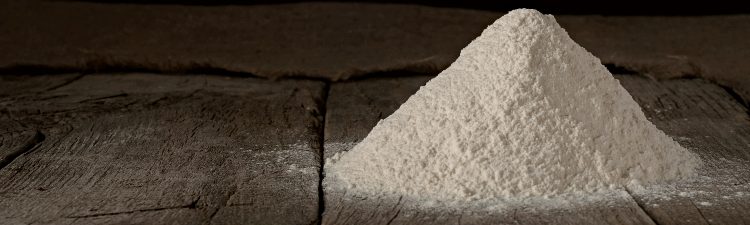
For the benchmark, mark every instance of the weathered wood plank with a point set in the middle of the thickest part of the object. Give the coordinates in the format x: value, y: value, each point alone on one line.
x: 323, y: 40
x: 327, y: 40
x: 21, y: 85
x: 14, y: 137
x: 156, y: 149
x: 354, y: 107
x: 706, y: 119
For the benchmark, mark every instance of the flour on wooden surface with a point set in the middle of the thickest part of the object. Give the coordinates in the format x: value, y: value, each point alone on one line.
x: 523, y: 112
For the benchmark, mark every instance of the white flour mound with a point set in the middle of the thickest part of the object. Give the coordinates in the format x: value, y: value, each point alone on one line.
x: 524, y: 111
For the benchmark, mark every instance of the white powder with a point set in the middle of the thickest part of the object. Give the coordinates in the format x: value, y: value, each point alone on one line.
x: 524, y: 111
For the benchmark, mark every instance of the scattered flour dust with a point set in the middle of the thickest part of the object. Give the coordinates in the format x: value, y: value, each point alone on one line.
x: 524, y: 112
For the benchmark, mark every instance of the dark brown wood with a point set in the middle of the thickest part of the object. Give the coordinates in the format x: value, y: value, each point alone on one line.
x: 356, y: 106
x: 15, y: 138
x: 699, y: 114
x: 156, y: 149
x: 706, y: 119
x: 669, y: 47
x: 339, y: 40
x: 325, y: 40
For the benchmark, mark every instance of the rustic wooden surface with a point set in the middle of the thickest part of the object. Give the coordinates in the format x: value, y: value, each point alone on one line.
x: 706, y: 119
x: 156, y: 149
x: 700, y: 115
x: 83, y: 148
x: 336, y: 41
x: 356, y: 106
x: 199, y: 149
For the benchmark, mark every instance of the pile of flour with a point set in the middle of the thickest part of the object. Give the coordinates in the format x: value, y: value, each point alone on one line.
x: 524, y: 111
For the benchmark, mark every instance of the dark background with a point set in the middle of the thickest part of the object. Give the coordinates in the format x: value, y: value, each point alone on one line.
x: 616, y: 7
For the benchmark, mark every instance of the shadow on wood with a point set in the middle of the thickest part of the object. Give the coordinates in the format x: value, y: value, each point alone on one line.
x: 702, y: 116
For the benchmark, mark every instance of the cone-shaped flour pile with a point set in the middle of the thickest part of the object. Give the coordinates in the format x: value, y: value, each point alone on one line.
x: 523, y: 111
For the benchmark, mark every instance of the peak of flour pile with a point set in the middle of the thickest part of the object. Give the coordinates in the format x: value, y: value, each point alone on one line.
x: 524, y: 111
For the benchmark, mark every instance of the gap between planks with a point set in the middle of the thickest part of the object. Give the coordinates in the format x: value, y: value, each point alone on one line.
x: 321, y: 152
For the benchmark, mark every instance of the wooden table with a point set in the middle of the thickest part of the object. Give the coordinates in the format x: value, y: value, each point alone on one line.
x: 209, y: 149
x: 188, y: 114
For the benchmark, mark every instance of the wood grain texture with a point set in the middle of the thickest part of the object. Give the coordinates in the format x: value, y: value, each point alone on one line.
x: 338, y: 40
x: 697, y: 113
x: 356, y: 106
x: 155, y: 149
x: 707, y: 120
x: 324, y: 40
x: 15, y: 138
x: 670, y: 47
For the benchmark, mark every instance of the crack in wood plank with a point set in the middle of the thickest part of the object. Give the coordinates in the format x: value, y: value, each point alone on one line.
x: 641, y: 207
x: 66, y: 83
x: 190, y: 206
x: 737, y: 97
x: 321, y: 149
x: 30, y: 144
x: 104, y: 97
x: 394, y: 217
x: 700, y: 212
x: 232, y: 191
